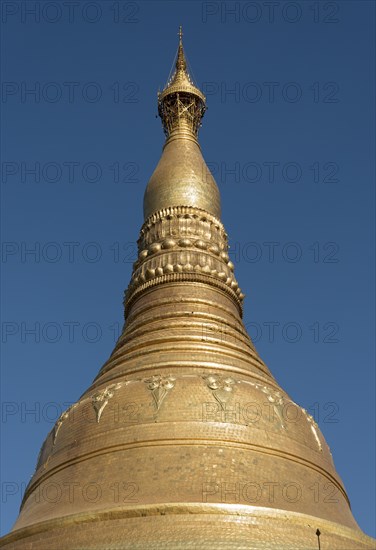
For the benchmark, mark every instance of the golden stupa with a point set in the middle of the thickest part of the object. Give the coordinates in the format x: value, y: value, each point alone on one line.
x: 184, y: 440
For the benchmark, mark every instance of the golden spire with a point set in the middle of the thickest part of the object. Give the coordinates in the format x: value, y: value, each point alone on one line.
x: 182, y: 177
x: 181, y: 63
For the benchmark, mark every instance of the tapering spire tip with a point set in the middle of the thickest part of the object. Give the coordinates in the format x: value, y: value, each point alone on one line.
x: 181, y: 63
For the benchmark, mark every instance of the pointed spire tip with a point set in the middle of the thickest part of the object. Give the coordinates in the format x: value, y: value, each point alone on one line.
x: 181, y: 63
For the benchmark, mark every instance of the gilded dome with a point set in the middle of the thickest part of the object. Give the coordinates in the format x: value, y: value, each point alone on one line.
x: 182, y: 178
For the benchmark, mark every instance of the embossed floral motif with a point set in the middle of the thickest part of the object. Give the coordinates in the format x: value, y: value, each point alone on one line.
x: 101, y: 399
x: 49, y: 443
x: 221, y: 387
x: 314, y: 428
x: 277, y: 401
x: 160, y: 385
x: 60, y: 420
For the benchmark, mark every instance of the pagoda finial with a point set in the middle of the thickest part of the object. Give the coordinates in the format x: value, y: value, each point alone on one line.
x: 181, y: 64
x: 181, y: 105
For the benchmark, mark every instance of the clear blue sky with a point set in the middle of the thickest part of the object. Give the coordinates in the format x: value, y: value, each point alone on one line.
x: 297, y: 133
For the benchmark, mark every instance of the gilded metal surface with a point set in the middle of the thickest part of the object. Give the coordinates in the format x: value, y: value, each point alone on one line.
x: 100, y: 399
x: 185, y: 439
x: 183, y: 244
x: 181, y: 105
x: 182, y: 177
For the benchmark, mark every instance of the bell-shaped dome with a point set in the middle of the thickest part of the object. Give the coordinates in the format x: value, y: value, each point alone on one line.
x: 182, y: 178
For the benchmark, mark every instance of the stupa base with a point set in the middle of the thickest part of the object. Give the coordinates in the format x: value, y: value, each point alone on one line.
x: 187, y: 526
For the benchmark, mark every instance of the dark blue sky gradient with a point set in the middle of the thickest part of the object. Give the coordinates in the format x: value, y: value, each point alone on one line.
x: 318, y: 206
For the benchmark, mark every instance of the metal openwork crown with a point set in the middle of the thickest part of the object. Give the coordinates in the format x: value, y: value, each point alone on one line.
x: 181, y: 105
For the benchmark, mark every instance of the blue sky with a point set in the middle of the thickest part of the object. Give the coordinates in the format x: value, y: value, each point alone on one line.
x: 289, y: 135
